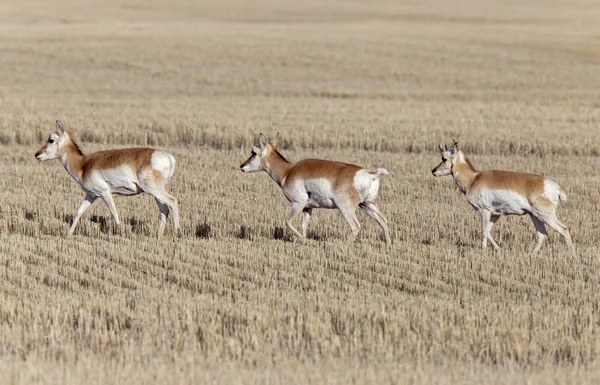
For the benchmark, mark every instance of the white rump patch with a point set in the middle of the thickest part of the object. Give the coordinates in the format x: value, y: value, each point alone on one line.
x: 551, y: 191
x: 163, y: 163
x: 367, y: 185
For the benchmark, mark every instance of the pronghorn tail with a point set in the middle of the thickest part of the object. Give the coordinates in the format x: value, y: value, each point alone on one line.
x: 381, y: 171
x: 561, y: 195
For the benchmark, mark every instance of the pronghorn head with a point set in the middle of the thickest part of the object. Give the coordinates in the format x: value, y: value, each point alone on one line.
x: 49, y: 150
x: 260, y: 153
x: 449, y: 157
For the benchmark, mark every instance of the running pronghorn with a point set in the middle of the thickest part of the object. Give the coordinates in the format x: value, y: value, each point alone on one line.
x: 129, y: 171
x: 495, y: 193
x: 315, y: 183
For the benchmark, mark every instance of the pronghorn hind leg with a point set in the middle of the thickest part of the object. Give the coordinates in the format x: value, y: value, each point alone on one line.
x: 85, y: 204
x: 164, y: 213
x: 349, y: 213
x: 165, y: 199
x: 552, y: 221
x: 541, y: 233
x: 174, y: 207
x: 296, y: 209
x: 108, y: 199
x: 305, y: 219
x: 379, y: 214
x: 371, y: 210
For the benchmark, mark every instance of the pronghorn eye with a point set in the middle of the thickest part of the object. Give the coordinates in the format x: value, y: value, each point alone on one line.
x: 253, y: 153
x: 50, y: 140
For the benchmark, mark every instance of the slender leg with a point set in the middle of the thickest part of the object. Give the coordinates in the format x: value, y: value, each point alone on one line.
x: 370, y: 209
x: 164, y: 213
x: 541, y: 233
x: 349, y: 213
x: 493, y: 220
x: 107, y: 197
x: 305, y: 219
x: 174, y: 207
x: 379, y: 214
x: 165, y: 199
x: 487, y: 222
x: 552, y: 221
x: 85, y: 204
x: 296, y: 209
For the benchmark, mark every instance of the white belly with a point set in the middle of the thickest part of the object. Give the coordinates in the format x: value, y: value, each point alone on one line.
x: 500, y: 202
x: 120, y: 180
x: 319, y: 193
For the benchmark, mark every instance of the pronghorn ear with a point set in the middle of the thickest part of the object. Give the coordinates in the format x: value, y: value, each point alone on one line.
x: 60, y: 128
x: 455, y: 146
x: 275, y: 140
x: 440, y: 148
x: 262, y: 142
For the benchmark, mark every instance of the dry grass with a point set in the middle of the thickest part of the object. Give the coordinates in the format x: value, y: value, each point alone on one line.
x: 377, y: 84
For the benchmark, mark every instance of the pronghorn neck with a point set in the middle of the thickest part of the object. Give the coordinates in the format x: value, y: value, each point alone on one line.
x: 277, y: 167
x: 463, y: 172
x: 71, y: 157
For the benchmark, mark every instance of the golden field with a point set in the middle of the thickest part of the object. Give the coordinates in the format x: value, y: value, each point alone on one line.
x: 377, y: 83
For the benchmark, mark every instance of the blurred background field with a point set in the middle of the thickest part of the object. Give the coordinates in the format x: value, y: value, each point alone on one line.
x: 378, y: 84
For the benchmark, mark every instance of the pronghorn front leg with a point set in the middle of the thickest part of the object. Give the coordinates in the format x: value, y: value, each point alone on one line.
x: 296, y: 208
x: 108, y: 199
x: 87, y: 202
x: 487, y: 222
x: 493, y: 219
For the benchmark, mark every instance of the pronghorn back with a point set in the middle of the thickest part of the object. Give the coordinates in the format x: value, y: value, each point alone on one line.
x: 136, y: 158
x: 336, y: 172
x: 358, y: 183
x: 530, y: 186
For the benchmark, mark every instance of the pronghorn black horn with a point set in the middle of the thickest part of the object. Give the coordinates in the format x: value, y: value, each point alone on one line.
x: 440, y: 147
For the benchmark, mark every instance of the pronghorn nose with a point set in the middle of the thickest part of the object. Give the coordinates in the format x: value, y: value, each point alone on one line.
x: 37, y: 154
x: 433, y: 171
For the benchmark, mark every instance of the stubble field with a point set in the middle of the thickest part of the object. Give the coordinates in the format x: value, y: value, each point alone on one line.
x: 378, y: 84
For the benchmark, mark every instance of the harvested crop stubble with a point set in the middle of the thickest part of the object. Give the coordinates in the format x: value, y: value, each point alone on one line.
x: 377, y: 84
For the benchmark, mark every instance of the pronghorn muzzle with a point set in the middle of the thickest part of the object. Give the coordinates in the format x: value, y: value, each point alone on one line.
x: 441, y: 170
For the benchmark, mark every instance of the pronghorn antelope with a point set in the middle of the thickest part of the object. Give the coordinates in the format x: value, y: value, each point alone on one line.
x: 314, y: 183
x: 495, y: 193
x: 129, y: 171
